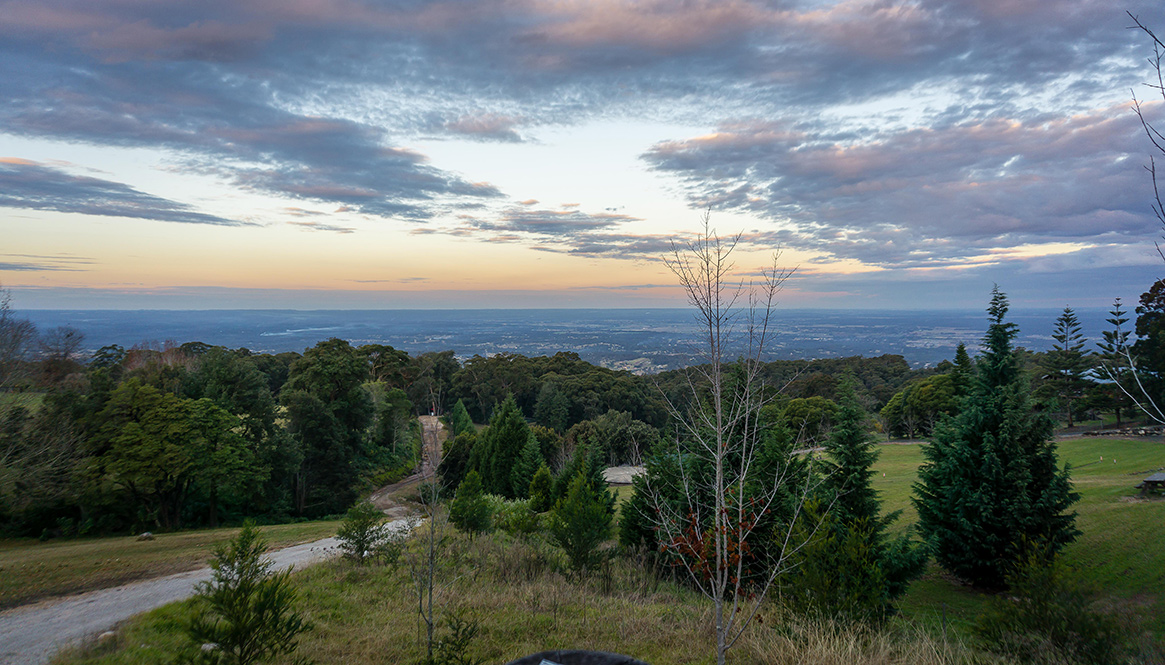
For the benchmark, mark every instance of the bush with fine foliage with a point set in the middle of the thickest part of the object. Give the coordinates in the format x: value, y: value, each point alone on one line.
x: 514, y: 517
x: 245, y: 611
x: 542, y: 490
x: 363, y: 534
x: 1050, y: 615
x: 580, y: 522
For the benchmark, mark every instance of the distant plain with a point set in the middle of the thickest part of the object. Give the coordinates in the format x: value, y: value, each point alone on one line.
x: 639, y: 340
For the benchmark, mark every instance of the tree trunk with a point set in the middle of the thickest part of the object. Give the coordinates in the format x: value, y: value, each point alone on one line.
x: 214, y: 505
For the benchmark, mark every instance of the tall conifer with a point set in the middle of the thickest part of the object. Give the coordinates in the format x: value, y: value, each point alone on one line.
x: 527, y: 464
x: 991, y: 479
x: 850, y: 567
x: 499, y: 447
x: 1066, y: 366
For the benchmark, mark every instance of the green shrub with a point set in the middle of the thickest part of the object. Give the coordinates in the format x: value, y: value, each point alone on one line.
x: 514, y: 517
x: 580, y: 522
x: 470, y: 510
x: 542, y: 490
x: 363, y: 534
x: 836, y: 574
x: 1050, y: 615
x: 452, y: 649
x: 245, y: 611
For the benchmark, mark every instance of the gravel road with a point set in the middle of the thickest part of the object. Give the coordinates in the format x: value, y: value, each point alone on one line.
x: 32, y: 634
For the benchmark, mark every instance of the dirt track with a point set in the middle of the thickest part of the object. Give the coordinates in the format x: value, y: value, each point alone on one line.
x: 433, y: 435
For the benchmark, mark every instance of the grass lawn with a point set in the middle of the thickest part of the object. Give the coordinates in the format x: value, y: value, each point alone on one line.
x: 31, y: 570
x: 1119, y: 549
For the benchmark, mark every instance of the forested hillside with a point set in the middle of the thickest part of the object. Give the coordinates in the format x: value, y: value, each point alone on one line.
x: 173, y: 435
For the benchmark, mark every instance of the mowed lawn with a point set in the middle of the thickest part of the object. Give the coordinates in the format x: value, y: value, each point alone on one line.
x: 1121, y: 549
x: 31, y: 570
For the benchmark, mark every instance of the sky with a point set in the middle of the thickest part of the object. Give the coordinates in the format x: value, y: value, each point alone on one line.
x: 334, y: 154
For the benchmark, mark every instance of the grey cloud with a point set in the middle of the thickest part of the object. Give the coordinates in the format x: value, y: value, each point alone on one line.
x: 925, y: 196
x: 312, y: 100
x: 402, y: 280
x: 25, y: 184
x: 559, y: 222
x: 542, y: 60
x: 233, y: 130
x: 488, y: 127
x: 24, y: 266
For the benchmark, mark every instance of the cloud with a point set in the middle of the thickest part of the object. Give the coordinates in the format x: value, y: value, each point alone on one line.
x: 301, y: 212
x: 320, y: 226
x: 486, y: 127
x: 569, y: 231
x: 27, y: 184
x: 908, y: 133
x: 559, y: 222
x: 233, y: 131
x: 399, y: 280
x: 925, y: 196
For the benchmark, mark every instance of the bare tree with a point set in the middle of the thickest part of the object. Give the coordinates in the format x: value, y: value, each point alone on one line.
x: 1120, y: 365
x: 1156, y: 138
x: 61, y: 343
x: 706, y: 514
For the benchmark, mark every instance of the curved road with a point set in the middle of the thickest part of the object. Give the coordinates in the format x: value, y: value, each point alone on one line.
x: 32, y: 634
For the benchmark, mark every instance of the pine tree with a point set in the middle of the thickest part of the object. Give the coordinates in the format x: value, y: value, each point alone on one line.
x: 459, y: 420
x: 991, y: 477
x: 552, y: 408
x: 587, y: 460
x: 469, y: 510
x: 455, y: 459
x: 850, y: 568
x: 1113, y: 363
x: 1066, y: 366
x: 247, y: 611
x: 581, y: 521
x: 851, y: 459
x: 963, y: 374
x: 362, y: 534
x: 542, y: 490
x: 524, y: 469
x: 498, y: 448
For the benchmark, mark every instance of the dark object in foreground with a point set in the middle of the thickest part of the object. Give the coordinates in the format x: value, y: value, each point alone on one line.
x: 576, y: 658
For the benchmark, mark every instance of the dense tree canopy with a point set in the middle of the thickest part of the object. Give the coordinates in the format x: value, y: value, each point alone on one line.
x: 307, y: 431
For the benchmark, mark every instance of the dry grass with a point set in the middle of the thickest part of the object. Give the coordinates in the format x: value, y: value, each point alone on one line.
x: 524, y: 602
x: 797, y: 642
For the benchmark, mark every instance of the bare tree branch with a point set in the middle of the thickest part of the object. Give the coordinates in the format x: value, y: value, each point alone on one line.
x: 706, y: 516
